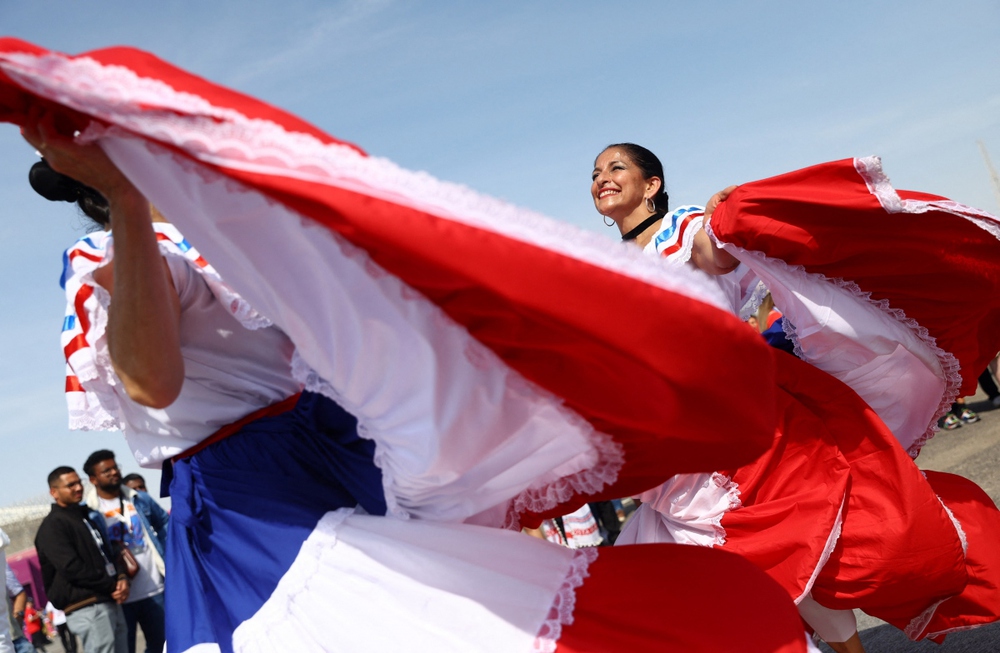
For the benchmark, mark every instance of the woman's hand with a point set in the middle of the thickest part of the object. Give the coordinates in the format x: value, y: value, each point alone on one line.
x: 717, y: 199
x: 706, y: 255
x: 144, y: 316
x: 87, y: 164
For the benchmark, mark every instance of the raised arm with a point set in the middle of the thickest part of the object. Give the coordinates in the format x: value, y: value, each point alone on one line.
x: 144, y: 316
x: 706, y: 255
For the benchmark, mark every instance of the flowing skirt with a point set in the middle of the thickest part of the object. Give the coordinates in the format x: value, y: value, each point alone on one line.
x: 872, y: 295
x: 893, y: 292
x: 267, y: 551
x: 472, y: 356
x: 836, y: 508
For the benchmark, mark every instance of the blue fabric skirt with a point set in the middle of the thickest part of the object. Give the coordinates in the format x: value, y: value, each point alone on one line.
x: 243, y: 506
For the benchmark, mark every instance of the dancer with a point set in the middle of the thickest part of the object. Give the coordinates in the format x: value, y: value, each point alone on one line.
x: 691, y: 509
x: 902, y: 342
x: 367, y: 365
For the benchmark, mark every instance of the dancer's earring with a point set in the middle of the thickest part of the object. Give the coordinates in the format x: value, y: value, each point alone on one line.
x: 650, y: 205
x: 608, y: 224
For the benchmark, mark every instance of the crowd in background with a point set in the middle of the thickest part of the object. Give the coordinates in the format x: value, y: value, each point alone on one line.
x: 101, y: 555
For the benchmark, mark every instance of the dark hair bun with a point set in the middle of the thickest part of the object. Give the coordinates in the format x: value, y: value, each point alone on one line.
x: 52, y: 185
x: 57, y: 187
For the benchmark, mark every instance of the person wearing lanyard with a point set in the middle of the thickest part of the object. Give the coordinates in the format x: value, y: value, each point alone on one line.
x: 78, y: 571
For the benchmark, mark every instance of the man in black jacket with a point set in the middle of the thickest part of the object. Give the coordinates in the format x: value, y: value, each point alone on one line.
x: 78, y: 568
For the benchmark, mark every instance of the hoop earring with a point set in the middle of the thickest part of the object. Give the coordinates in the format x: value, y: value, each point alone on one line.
x: 650, y: 205
x: 608, y: 224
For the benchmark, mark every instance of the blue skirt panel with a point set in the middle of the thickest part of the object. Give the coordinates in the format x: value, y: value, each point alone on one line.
x: 243, y: 506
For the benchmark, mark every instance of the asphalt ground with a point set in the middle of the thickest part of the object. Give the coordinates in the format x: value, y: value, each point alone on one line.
x: 972, y: 451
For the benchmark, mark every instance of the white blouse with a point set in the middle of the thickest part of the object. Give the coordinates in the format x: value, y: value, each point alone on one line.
x: 234, y: 362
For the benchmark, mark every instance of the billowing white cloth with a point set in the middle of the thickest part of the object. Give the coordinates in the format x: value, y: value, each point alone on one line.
x: 435, y: 587
x: 386, y: 354
x: 837, y: 329
x: 687, y: 509
x: 230, y: 371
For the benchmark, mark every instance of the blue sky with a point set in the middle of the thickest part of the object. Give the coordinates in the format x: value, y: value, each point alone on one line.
x: 515, y: 99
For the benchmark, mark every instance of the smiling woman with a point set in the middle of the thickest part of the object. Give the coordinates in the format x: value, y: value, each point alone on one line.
x: 850, y: 499
x: 629, y: 187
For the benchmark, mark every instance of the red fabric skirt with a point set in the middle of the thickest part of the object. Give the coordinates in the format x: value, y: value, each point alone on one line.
x: 689, y: 589
x: 913, y: 250
x: 979, y: 602
x: 836, y: 466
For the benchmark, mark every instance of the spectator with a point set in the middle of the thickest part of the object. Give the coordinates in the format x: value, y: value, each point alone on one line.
x: 6, y: 624
x: 34, y: 625
x: 66, y: 636
x: 77, y: 569
x: 136, y: 482
x: 17, y: 600
x: 136, y: 522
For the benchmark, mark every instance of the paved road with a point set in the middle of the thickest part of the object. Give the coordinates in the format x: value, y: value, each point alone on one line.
x: 974, y: 452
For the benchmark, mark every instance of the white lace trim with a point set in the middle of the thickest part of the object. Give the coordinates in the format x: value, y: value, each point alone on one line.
x: 916, y: 627
x: 870, y: 169
x: 732, y: 497
x: 753, y: 301
x: 101, y: 409
x: 225, y: 137
x: 958, y: 629
x: 610, y: 455
x: 949, y: 364
x: 958, y: 528
x: 793, y: 337
x: 248, y: 317
x: 313, y: 382
x: 610, y: 458
x: 831, y: 544
x: 296, y: 582
x: 564, y: 602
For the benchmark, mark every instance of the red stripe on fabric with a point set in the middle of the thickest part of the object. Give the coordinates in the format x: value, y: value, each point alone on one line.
x: 802, y: 217
x: 87, y: 255
x: 282, y: 406
x: 680, y: 234
x: 82, y: 295
x: 148, y: 65
x: 75, y: 345
x: 201, y: 262
x: 556, y: 320
x: 73, y: 384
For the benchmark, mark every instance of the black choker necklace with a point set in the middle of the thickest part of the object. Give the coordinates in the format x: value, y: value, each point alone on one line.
x: 643, y: 226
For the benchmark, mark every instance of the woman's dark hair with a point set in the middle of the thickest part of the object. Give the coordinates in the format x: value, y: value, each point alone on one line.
x: 57, y: 187
x: 650, y: 166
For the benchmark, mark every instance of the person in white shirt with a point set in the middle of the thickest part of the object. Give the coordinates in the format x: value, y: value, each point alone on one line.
x: 136, y: 522
x: 59, y: 621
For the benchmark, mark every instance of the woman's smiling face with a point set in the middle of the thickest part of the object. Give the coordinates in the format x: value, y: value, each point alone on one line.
x: 618, y: 186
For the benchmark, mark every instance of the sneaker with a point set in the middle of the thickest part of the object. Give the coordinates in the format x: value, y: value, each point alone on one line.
x: 949, y: 422
x: 969, y: 416
x: 995, y: 401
